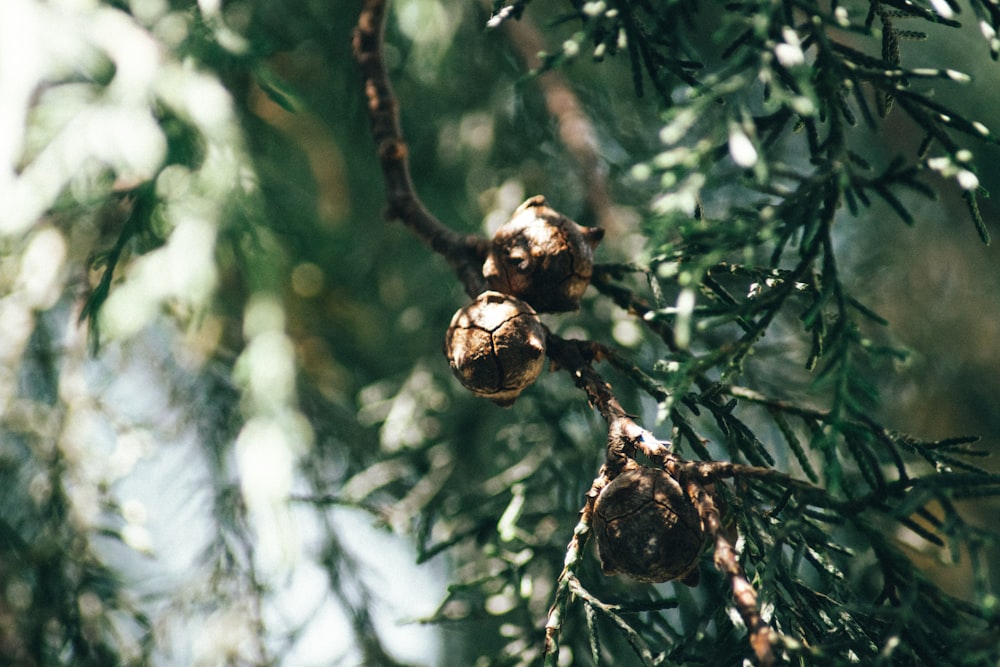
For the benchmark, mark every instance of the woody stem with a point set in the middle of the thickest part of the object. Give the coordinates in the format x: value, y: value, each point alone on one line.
x: 465, y: 253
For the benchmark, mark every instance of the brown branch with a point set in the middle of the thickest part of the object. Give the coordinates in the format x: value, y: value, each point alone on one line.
x: 625, y: 435
x: 744, y: 595
x: 575, y: 357
x: 465, y: 253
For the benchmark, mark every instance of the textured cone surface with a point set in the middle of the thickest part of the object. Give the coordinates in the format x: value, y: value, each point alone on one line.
x: 646, y: 527
x: 496, y: 346
x: 473, y: 361
x: 542, y: 257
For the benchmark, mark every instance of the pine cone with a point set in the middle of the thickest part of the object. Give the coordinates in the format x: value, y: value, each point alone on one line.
x: 542, y: 257
x: 647, y: 528
x: 496, y: 347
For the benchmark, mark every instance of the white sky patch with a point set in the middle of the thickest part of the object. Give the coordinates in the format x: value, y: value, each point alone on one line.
x: 685, y: 308
x: 741, y: 149
x: 41, y: 267
x: 967, y: 180
x: 627, y: 333
x: 789, y: 52
x: 942, y: 8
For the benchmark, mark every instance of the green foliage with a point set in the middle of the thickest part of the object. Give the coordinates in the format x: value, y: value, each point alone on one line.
x: 196, y: 183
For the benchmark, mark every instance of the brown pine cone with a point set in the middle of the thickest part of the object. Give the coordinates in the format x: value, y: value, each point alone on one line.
x: 542, y: 257
x: 647, y: 528
x: 496, y: 346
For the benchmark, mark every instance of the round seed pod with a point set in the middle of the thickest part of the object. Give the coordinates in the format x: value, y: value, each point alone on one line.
x: 542, y: 257
x: 647, y: 528
x: 496, y: 346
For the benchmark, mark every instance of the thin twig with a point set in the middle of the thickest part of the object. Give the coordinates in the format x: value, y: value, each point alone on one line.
x: 743, y: 592
x: 465, y: 253
x: 575, y: 356
x: 574, y: 554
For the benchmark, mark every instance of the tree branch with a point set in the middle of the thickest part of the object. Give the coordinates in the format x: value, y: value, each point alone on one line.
x: 465, y: 253
x: 574, y: 554
x: 726, y: 561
